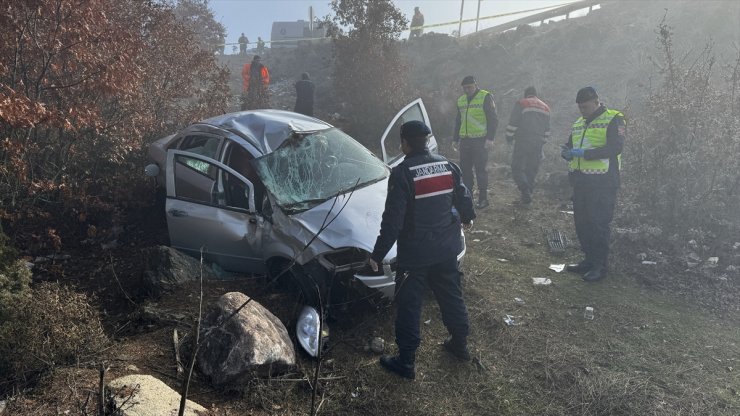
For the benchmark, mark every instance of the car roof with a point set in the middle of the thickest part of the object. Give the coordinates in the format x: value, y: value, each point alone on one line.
x: 268, y: 128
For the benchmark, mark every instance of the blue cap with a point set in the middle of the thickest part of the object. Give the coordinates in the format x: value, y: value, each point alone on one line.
x: 415, y: 128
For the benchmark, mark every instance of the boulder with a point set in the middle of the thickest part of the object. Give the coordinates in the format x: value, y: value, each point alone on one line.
x: 253, y: 341
x: 166, y: 268
x: 144, y: 395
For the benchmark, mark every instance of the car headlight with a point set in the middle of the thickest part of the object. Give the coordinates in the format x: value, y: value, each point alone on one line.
x: 307, y: 331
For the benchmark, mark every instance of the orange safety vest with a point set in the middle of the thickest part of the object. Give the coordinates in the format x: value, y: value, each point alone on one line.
x: 246, y: 70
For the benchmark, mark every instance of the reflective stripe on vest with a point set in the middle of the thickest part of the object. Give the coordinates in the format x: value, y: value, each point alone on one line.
x: 592, y: 136
x: 473, y: 121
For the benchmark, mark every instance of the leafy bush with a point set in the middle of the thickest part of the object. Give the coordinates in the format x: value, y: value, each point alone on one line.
x: 54, y: 326
x: 82, y: 91
x: 369, y: 72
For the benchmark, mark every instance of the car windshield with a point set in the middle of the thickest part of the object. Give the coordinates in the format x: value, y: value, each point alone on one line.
x: 309, y: 169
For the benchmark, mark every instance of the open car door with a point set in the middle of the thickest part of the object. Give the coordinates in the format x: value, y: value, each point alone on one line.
x: 390, y: 143
x: 211, y: 205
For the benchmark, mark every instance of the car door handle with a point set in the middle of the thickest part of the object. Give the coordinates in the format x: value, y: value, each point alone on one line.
x: 177, y: 213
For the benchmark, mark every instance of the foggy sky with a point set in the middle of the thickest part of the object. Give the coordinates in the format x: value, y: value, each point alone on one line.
x: 255, y: 17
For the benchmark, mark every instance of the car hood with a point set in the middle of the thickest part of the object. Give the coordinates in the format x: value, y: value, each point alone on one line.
x: 355, y: 218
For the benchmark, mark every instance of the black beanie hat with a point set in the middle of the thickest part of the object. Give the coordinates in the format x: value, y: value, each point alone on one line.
x: 468, y: 80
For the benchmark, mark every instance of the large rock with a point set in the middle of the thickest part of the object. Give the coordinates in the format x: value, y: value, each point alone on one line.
x: 166, y: 268
x: 254, y: 340
x: 144, y: 395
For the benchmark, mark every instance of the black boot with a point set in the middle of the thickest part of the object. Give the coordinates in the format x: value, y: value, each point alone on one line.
x: 457, y: 347
x: 396, y: 364
x: 595, y: 274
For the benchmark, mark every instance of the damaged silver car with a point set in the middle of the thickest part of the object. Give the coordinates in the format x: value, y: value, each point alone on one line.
x: 279, y: 193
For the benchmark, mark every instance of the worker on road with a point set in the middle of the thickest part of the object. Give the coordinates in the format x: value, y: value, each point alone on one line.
x: 304, y: 92
x: 475, y: 128
x: 593, y: 152
x: 528, y: 129
x: 417, y: 21
x: 256, y: 79
x: 243, y: 41
x: 422, y: 192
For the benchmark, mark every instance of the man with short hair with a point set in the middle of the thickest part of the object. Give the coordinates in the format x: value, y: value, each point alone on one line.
x: 422, y: 192
x: 475, y: 129
x: 593, y: 152
x: 243, y: 41
x: 304, y: 90
x: 528, y: 129
x: 417, y: 21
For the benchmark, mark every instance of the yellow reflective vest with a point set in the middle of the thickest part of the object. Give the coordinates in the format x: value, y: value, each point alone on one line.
x: 473, y: 122
x: 592, y: 136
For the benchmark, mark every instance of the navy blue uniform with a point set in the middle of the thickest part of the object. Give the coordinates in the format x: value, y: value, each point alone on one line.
x: 422, y: 192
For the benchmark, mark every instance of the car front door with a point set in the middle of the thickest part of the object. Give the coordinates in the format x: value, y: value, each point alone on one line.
x: 390, y: 142
x: 211, y: 206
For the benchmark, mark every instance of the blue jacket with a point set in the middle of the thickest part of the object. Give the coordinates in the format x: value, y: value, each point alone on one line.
x: 422, y: 192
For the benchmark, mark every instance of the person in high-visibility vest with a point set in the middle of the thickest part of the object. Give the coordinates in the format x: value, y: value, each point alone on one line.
x: 475, y: 128
x: 593, y: 152
x: 255, y: 80
x: 528, y: 130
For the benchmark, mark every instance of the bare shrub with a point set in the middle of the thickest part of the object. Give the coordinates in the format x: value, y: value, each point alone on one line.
x: 683, y: 168
x: 54, y: 326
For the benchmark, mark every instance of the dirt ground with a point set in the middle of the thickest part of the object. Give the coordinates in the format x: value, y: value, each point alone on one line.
x: 645, y: 352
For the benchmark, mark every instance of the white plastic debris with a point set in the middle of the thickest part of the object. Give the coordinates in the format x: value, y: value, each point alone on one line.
x: 377, y: 345
x: 736, y: 246
x: 649, y: 263
x: 541, y: 281
x: 642, y: 256
x: 477, y: 240
x: 519, y: 301
x: 588, y: 313
x: 557, y: 267
x: 509, y: 320
x: 502, y: 260
x: 712, y: 261
x: 567, y: 212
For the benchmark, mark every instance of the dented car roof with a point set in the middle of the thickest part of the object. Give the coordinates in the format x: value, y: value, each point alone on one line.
x: 269, y: 128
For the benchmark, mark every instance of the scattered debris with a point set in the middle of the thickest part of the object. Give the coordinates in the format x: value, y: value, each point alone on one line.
x: 519, y: 301
x: 484, y: 232
x: 377, y: 345
x: 588, y: 313
x: 427, y: 322
x: 509, y: 321
x: 502, y: 260
x: 557, y: 241
x: 736, y: 246
x: 649, y: 263
x: 557, y: 267
x: 567, y: 212
x: 476, y: 240
x: 712, y: 261
x: 541, y: 281
x: 642, y: 256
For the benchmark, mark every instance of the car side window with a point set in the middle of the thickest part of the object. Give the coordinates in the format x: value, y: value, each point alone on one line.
x: 202, y: 145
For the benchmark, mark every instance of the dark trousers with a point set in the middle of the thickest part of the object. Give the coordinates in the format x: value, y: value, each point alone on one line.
x: 525, y: 162
x: 593, y: 209
x: 444, y: 280
x: 474, y: 157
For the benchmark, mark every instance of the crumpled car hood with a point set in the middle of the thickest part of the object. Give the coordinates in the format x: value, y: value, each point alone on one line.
x: 358, y: 224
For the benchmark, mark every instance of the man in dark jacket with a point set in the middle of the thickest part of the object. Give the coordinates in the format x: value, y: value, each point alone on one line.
x: 593, y: 152
x: 475, y: 128
x: 422, y: 192
x: 304, y: 90
x: 528, y: 129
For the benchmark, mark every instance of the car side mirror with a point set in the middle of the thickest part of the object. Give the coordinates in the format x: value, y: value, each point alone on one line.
x: 151, y: 170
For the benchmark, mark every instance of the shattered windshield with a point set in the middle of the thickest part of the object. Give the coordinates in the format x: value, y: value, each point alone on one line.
x: 308, y: 170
